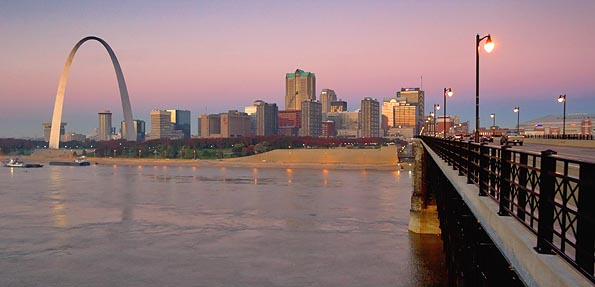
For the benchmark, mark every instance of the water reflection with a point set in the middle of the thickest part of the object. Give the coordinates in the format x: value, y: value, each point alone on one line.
x: 128, y: 199
x: 255, y: 175
x: 57, y: 199
x: 325, y: 176
x: 430, y: 267
x: 289, y: 173
x: 326, y: 227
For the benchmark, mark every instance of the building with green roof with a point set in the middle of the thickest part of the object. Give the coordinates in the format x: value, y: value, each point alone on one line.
x: 300, y: 86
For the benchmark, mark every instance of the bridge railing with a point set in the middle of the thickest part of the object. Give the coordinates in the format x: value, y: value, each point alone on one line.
x: 552, y: 195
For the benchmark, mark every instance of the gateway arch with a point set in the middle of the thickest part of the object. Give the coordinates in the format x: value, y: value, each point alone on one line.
x: 57, y: 116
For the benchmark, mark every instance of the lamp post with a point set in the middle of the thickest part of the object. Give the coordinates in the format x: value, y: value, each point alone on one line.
x: 518, y: 116
x: 436, y: 108
x: 493, y: 116
x: 433, y: 120
x: 488, y: 46
x: 562, y: 99
x: 447, y: 92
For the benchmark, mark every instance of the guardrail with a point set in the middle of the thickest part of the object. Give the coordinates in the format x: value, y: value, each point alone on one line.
x: 552, y: 195
x: 562, y: 137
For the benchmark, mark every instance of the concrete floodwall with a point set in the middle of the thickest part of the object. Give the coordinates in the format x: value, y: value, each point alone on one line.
x: 386, y: 155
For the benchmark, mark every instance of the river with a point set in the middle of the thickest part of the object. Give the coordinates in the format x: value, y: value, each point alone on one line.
x: 211, y: 226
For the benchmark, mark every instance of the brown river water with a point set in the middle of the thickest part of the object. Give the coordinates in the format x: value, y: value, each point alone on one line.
x: 211, y: 226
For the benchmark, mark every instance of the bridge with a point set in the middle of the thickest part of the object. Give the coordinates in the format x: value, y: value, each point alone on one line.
x: 508, y: 216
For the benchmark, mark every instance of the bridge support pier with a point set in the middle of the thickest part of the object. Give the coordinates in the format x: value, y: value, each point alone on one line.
x: 423, y: 215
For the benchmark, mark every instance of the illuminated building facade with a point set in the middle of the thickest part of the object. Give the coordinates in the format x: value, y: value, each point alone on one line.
x: 299, y: 86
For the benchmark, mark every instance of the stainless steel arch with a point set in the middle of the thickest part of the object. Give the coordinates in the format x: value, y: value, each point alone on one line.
x: 57, y: 116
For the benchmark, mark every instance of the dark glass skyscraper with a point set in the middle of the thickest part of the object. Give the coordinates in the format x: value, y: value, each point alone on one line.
x: 181, y: 121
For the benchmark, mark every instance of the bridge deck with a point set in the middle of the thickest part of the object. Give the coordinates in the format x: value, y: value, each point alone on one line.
x: 514, y: 240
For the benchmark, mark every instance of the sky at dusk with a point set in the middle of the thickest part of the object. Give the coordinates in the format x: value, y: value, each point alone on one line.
x: 213, y: 56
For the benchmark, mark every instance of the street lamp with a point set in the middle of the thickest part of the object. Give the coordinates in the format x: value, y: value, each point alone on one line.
x: 493, y: 116
x: 518, y: 116
x: 447, y: 92
x: 562, y: 99
x: 436, y: 108
x: 433, y: 118
x: 488, y: 46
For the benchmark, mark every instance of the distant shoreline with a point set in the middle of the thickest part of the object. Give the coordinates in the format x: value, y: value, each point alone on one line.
x: 347, y: 159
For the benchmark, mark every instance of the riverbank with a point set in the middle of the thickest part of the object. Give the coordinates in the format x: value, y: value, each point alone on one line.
x: 384, y: 158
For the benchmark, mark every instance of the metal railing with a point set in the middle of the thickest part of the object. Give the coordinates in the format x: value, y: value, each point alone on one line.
x: 552, y: 195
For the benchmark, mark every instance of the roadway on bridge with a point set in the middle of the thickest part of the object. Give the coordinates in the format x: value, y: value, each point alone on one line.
x: 583, y: 153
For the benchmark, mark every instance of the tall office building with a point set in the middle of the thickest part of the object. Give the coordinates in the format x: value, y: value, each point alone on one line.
x: 266, y: 118
x: 225, y: 125
x: 299, y: 86
x: 346, y: 123
x: 235, y: 124
x: 289, y: 122
x: 139, y: 129
x: 210, y: 126
x: 370, y: 118
x: 405, y: 120
x: 388, y: 112
x: 415, y: 97
x: 329, y: 129
x: 311, y: 118
x: 327, y: 96
x: 104, y: 130
x: 161, y: 125
x: 47, y: 128
x: 181, y: 121
x: 251, y: 111
x: 338, y: 106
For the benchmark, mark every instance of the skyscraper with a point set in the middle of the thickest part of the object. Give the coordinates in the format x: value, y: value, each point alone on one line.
x: 388, y: 112
x: 370, y: 118
x: 338, y: 106
x: 47, y: 128
x: 235, y: 124
x: 299, y: 86
x: 266, y: 118
x: 311, y: 118
x: 139, y: 129
x: 225, y: 125
x: 251, y: 111
x: 346, y: 123
x: 289, y: 122
x: 415, y: 97
x: 329, y: 129
x: 210, y: 126
x: 327, y: 96
x: 181, y: 121
x: 104, y: 130
x: 161, y: 125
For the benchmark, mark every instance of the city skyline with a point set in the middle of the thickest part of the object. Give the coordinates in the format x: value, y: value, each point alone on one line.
x: 211, y: 58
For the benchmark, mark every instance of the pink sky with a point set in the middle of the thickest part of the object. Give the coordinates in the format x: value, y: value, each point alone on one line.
x: 210, y: 56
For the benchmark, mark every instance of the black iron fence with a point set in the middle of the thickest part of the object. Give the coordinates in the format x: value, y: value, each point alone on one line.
x: 552, y: 195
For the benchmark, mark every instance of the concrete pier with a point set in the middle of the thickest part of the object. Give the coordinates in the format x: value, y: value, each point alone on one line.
x: 423, y: 215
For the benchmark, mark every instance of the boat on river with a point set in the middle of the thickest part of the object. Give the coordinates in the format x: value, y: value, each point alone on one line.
x: 81, y: 161
x: 15, y: 162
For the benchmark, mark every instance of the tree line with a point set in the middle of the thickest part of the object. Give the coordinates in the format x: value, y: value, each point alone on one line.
x: 196, y: 148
